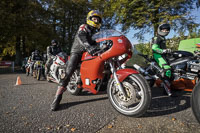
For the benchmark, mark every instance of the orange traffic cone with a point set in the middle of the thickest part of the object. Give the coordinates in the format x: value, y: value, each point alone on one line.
x: 19, y: 82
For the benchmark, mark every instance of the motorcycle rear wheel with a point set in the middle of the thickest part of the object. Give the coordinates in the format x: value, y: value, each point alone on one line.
x: 139, y: 95
x: 195, y: 101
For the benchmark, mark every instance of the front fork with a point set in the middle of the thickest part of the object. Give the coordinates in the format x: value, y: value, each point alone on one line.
x: 119, y: 85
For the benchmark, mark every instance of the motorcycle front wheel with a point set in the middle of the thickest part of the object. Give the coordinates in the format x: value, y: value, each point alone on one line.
x: 138, y: 95
x: 38, y: 74
x: 195, y: 101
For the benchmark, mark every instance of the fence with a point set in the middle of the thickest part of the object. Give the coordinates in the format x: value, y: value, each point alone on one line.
x: 7, y: 66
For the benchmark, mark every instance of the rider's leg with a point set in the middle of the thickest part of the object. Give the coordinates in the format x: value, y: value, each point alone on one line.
x: 31, y: 68
x: 72, y: 64
x: 48, y: 64
x: 167, y: 72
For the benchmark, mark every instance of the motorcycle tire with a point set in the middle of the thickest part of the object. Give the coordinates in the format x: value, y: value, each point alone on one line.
x: 38, y: 74
x: 72, y: 86
x: 195, y: 101
x: 139, y: 95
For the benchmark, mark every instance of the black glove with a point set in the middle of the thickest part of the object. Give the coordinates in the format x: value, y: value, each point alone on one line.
x: 91, y: 50
x: 165, y: 51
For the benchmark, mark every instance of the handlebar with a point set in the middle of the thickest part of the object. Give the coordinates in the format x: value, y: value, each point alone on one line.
x: 145, y: 57
x: 103, y: 48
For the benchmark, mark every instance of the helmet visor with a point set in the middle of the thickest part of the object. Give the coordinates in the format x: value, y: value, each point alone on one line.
x: 165, y: 27
x: 96, y: 19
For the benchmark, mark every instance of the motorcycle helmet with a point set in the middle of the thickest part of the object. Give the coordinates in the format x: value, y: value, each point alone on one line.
x: 36, y: 52
x: 94, y: 13
x: 54, y: 42
x: 162, y: 27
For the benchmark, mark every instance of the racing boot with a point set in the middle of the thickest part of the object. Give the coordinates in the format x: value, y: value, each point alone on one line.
x: 58, y: 98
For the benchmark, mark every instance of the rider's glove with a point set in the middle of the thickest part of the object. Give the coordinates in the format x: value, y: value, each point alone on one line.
x: 52, y: 57
x: 165, y: 51
x: 91, y: 50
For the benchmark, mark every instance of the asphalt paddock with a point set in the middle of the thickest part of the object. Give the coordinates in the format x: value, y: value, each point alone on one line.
x: 26, y: 108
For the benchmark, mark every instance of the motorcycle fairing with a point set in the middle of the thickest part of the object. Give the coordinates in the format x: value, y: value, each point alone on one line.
x: 123, y: 73
x: 121, y: 45
x: 180, y: 84
x: 90, y: 71
x: 92, y: 68
x: 178, y: 55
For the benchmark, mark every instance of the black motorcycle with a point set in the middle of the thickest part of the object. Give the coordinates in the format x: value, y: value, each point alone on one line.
x: 39, y: 69
x: 185, y: 65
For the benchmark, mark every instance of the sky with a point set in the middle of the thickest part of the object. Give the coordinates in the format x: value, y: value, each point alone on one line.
x: 129, y: 35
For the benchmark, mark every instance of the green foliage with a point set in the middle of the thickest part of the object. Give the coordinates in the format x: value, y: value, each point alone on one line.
x: 146, y: 15
x: 144, y: 48
x: 27, y: 25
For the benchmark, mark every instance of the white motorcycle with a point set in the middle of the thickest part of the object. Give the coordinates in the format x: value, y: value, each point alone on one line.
x: 58, y: 68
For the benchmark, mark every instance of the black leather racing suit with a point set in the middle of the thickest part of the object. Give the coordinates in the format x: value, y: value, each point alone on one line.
x: 34, y: 57
x: 82, y: 42
x: 51, y: 52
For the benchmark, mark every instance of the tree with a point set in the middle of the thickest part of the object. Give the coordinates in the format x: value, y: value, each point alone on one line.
x: 20, y: 26
x: 146, y: 15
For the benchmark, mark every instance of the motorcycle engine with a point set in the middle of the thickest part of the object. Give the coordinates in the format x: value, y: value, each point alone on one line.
x: 185, y: 69
x: 194, y: 66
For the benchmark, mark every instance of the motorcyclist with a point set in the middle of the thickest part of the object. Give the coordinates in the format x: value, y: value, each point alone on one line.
x: 35, y: 56
x: 52, y: 51
x: 83, y: 42
x: 159, y: 52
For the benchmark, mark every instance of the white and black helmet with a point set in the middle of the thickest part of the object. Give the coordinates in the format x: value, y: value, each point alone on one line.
x: 54, y: 42
x: 163, y: 26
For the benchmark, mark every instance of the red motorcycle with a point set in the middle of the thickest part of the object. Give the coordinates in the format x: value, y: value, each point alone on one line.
x: 128, y: 91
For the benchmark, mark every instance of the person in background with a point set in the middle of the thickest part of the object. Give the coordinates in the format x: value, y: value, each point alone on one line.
x: 52, y: 51
x: 35, y: 56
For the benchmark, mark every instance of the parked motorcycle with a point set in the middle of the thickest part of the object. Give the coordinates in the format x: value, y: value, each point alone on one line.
x: 58, y: 68
x: 128, y: 91
x: 195, y: 101
x: 38, y: 70
x: 28, y: 68
x: 185, y: 67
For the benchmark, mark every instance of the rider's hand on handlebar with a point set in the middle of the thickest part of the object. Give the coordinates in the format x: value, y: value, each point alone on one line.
x: 165, y: 51
x: 91, y: 50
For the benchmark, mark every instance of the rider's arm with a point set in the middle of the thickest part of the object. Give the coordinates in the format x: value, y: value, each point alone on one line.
x: 82, y: 36
x: 156, y: 47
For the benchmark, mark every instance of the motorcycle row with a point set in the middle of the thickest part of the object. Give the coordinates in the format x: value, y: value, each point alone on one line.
x: 128, y: 89
x: 37, y: 68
